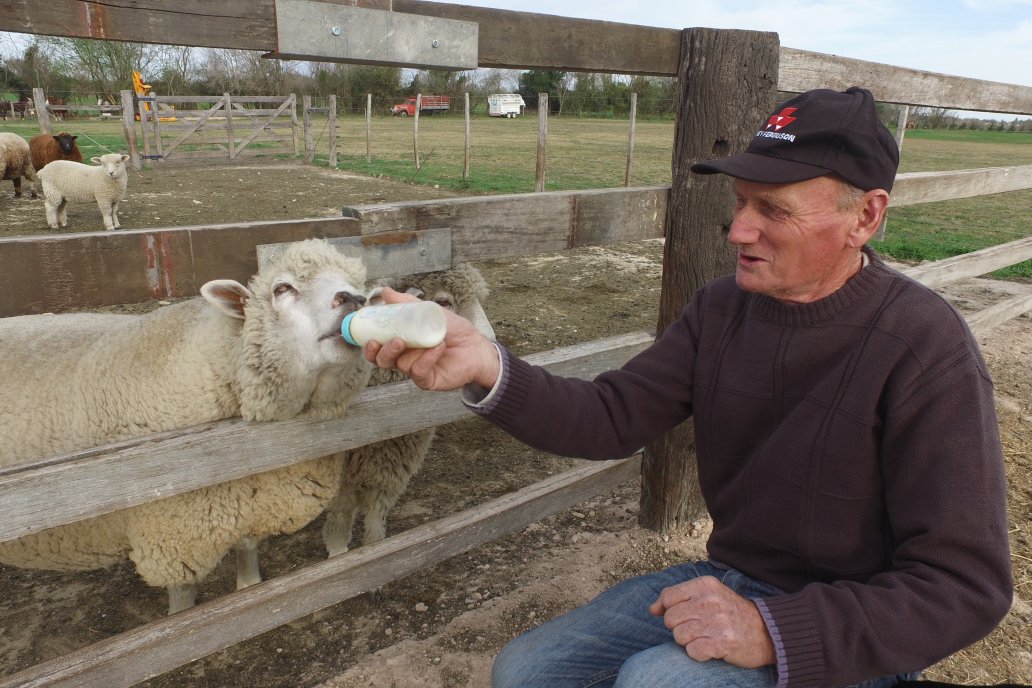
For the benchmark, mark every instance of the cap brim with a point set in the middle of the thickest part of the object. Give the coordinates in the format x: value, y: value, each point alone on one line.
x: 760, y: 168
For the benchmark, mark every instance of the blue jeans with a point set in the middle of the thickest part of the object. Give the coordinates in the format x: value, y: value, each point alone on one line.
x: 614, y: 641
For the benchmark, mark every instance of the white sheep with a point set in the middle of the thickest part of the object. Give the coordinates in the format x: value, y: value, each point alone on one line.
x: 67, y: 180
x: 376, y: 475
x: 16, y: 162
x: 270, y: 351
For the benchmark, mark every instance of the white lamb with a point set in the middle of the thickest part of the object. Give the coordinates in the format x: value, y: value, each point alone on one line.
x: 376, y: 475
x: 67, y: 180
x: 270, y: 351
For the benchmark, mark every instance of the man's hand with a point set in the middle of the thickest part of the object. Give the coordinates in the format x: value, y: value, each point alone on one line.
x: 712, y: 621
x: 465, y: 356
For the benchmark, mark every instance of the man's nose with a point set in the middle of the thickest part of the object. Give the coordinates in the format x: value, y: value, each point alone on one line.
x: 743, y: 231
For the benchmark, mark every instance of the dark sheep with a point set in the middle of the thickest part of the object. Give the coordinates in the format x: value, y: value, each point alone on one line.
x: 45, y: 148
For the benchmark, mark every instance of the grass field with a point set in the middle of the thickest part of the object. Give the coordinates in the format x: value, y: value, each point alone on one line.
x: 591, y: 153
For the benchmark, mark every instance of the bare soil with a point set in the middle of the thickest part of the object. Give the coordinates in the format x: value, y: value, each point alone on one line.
x: 442, y: 626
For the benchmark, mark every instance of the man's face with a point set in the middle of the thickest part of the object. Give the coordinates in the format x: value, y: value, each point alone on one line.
x: 793, y: 239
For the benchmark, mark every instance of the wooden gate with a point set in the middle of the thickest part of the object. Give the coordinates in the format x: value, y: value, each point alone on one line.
x: 183, y: 127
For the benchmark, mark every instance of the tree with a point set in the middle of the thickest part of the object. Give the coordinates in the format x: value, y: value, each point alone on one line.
x: 36, y: 69
x: 535, y: 81
x: 107, y: 65
x: 246, y: 72
x: 932, y: 117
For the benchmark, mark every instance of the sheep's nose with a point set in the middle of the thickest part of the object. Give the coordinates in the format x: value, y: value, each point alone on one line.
x: 346, y: 297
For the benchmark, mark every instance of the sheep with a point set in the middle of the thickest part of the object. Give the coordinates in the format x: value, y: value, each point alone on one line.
x: 16, y: 162
x: 46, y: 148
x: 66, y: 180
x: 269, y: 351
x: 376, y: 475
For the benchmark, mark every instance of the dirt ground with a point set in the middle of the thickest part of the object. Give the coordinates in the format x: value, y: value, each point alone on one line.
x: 441, y: 627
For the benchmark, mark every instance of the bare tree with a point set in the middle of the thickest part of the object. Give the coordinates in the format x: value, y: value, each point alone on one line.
x: 933, y: 118
x: 107, y: 65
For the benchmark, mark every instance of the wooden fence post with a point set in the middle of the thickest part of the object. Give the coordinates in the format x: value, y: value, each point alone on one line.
x: 539, y: 172
x: 293, y: 122
x: 901, y: 129
x: 901, y: 125
x: 369, y: 127
x: 129, y: 128
x: 415, y: 128
x: 712, y: 121
x: 42, y: 114
x: 465, y: 166
x: 630, y: 139
x: 227, y: 106
x: 306, y: 117
x: 331, y: 122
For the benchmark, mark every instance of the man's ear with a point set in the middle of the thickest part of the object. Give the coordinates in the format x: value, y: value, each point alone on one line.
x: 229, y: 296
x: 871, y: 213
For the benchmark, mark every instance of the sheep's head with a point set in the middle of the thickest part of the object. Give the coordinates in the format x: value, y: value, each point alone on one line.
x: 293, y: 357
x: 65, y: 142
x: 113, y: 164
x: 461, y: 290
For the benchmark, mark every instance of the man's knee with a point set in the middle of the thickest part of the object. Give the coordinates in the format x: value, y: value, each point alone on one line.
x: 506, y: 672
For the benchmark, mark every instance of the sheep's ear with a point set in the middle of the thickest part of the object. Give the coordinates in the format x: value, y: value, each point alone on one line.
x: 229, y: 296
x: 124, y: 157
x: 96, y: 160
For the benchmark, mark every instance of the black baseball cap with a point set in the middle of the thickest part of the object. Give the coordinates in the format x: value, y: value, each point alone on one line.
x: 813, y: 134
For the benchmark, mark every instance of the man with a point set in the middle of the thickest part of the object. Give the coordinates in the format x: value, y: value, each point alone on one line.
x: 848, y: 447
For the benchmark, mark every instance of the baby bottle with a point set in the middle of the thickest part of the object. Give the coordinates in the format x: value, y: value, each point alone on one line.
x: 420, y: 324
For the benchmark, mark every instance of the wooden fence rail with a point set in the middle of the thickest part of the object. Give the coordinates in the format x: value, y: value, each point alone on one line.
x: 79, y: 269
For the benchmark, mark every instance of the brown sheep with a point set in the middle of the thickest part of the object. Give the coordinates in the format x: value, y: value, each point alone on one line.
x: 15, y: 162
x: 46, y: 148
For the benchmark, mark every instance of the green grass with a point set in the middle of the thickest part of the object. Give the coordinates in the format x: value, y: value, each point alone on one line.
x: 587, y: 153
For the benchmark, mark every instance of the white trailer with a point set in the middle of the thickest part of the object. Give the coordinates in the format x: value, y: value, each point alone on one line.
x: 505, y: 104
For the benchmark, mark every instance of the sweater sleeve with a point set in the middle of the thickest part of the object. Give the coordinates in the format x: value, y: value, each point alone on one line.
x: 609, y: 417
x: 948, y: 582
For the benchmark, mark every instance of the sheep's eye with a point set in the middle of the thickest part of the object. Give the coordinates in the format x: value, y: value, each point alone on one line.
x: 444, y: 302
x: 283, y: 288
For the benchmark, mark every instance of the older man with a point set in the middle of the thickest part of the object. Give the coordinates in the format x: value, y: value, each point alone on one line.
x: 848, y: 447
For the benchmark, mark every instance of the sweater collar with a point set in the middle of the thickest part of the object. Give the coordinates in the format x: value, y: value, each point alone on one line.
x: 856, y: 289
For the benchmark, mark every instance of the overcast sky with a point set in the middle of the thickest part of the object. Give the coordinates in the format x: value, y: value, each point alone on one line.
x: 982, y: 39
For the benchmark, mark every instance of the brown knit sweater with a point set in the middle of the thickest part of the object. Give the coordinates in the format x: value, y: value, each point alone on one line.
x: 848, y: 452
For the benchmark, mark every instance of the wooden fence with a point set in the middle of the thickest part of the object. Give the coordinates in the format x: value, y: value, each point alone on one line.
x: 225, y: 126
x: 60, y: 272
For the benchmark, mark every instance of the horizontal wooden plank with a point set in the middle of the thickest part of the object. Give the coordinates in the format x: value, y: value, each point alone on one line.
x: 997, y: 314
x: 56, y: 272
x: 802, y: 70
x: 949, y: 270
x: 505, y: 226
x: 912, y: 188
x: 387, y: 255
x: 162, y: 645
x: 243, y: 24
x: 525, y: 40
x: 57, y: 490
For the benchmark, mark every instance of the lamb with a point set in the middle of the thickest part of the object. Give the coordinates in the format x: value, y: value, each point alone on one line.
x: 376, y: 475
x: 66, y: 180
x: 46, y: 148
x: 269, y: 351
x: 16, y: 162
